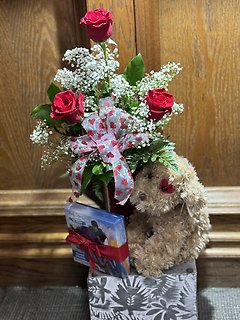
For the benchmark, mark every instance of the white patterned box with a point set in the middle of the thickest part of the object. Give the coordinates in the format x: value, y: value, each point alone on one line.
x: 171, y: 296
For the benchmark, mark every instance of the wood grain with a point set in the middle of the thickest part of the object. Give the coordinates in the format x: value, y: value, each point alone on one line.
x: 147, y: 33
x: 42, y: 272
x: 34, y: 37
x: 218, y: 272
x: 123, y: 26
x: 204, y: 36
x: 33, y: 232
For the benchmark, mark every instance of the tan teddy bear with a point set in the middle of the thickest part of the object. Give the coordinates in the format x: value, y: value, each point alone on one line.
x: 171, y: 220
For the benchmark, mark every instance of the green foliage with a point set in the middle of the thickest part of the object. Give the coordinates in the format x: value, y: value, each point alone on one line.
x: 97, y: 169
x: 87, y: 177
x: 98, y: 175
x: 42, y: 112
x: 105, y: 177
x: 135, y: 70
x: 75, y: 130
x: 52, y: 91
x: 159, y: 150
x: 97, y: 187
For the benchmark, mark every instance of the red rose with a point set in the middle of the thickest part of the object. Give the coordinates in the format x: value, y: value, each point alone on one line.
x: 160, y: 102
x: 99, y: 24
x: 67, y: 106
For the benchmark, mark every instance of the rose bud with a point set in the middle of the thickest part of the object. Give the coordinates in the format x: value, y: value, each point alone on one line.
x: 99, y: 24
x: 67, y: 106
x: 160, y: 102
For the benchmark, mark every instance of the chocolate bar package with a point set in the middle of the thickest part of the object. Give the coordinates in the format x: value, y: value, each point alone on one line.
x: 98, y: 239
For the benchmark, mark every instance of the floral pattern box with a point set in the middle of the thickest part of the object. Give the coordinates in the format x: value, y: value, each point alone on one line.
x: 98, y: 239
x: 171, y: 296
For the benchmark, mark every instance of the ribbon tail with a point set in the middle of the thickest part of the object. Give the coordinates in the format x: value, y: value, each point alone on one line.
x: 75, y: 176
x: 124, y: 182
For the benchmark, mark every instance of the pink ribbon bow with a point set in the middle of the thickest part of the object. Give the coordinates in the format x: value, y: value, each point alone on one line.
x: 108, y: 134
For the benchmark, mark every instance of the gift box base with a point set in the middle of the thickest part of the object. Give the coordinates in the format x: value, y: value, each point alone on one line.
x: 169, y: 296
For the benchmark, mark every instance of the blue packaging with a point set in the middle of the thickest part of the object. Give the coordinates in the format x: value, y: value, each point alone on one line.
x: 101, y: 228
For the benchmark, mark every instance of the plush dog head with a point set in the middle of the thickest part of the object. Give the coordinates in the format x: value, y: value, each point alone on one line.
x: 159, y: 189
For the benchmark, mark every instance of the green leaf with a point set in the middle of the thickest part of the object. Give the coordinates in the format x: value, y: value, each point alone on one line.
x: 87, y: 177
x: 108, y: 167
x: 75, y: 130
x: 154, y: 157
x: 97, y: 169
x: 42, y: 112
x: 52, y: 91
x: 135, y: 70
x: 97, y: 189
x: 145, y: 158
x: 167, y: 158
x: 106, y: 177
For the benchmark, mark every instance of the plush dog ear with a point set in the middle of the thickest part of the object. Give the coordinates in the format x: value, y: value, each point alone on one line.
x: 193, y: 195
x: 191, y: 191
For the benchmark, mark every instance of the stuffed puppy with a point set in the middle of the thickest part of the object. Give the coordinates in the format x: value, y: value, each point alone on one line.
x: 171, y: 222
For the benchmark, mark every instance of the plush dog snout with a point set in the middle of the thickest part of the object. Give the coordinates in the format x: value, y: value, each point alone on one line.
x: 142, y: 196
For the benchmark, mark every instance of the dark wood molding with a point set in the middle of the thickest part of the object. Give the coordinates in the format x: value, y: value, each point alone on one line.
x: 33, y: 231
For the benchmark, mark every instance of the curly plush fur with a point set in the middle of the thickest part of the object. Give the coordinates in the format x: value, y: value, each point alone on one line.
x: 167, y: 228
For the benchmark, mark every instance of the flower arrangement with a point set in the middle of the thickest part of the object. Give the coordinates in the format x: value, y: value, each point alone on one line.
x: 105, y: 125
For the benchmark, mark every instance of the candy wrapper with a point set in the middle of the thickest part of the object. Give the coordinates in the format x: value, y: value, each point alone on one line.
x: 98, y: 239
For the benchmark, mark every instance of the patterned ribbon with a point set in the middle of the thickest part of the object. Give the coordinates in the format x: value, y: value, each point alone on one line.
x: 119, y: 254
x: 108, y: 135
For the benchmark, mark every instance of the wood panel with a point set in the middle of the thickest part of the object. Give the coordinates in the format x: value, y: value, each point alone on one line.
x: 204, y: 37
x: 123, y: 26
x: 42, y: 272
x: 147, y: 33
x: 34, y: 36
x: 218, y: 272
x: 33, y: 250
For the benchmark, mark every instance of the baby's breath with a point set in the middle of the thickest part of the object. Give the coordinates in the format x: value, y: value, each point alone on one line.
x: 158, y: 79
x: 120, y: 88
x: 89, y: 68
x: 41, y: 133
x: 54, y: 152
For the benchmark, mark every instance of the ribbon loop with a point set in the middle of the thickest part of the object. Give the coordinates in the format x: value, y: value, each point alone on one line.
x: 108, y: 134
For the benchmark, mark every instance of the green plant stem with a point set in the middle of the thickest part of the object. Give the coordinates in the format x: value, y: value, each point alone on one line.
x: 106, y: 197
x: 104, y: 48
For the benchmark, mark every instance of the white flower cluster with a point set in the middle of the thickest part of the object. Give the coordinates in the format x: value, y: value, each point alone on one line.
x: 158, y: 79
x: 111, y: 64
x: 142, y: 110
x: 120, y: 87
x: 90, y: 104
x: 142, y: 125
x: 90, y: 68
x: 41, y: 133
x: 176, y: 109
x: 54, y: 152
